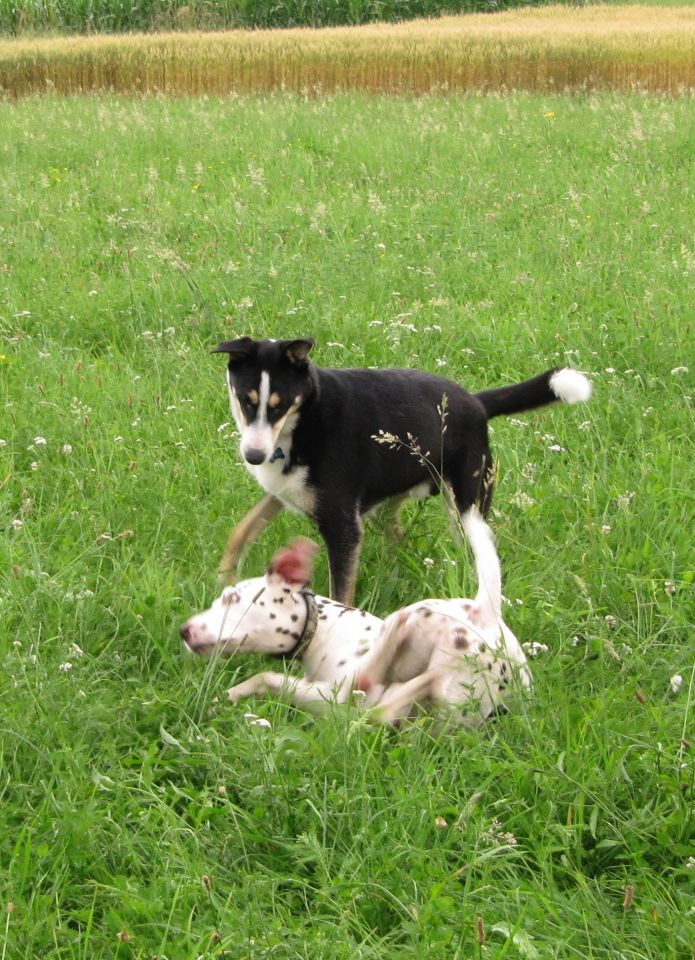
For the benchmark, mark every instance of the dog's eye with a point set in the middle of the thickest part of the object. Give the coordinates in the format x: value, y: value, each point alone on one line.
x: 230, y: 596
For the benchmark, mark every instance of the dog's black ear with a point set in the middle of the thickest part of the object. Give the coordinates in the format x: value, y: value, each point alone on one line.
x: 297, y: 351
x: 238, y: 350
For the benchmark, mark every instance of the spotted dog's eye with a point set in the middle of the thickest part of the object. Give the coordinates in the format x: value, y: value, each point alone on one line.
x: 230, y: 596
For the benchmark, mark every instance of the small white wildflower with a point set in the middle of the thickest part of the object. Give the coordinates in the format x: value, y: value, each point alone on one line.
x: 256, y: 721
x: 585, y: 424
x: 3, y: 443
x: 647, y: 411
x: 440, y: 823
x: 676, y: 682
x: 441, y: 361
x: 677, y: 370
x: 40, y: 441
x: 605, y: 528
x: 428, y: 562
x: 519, y: 602
x: 65, y: 667
x: 92, y: 293
x: 611, y: 621
x: 147, y: 335
x: 522, y: 500
x: 610, y: 369
x: 118, y: 439
x: 669, y: 587
x: 66, y: 448
x: 34, y: 465
x: 534, y: 648
x: 375, y: 323
x: 556, y: 448
x: 169, y: 331
x: 625, y: 499
x: 245, y: 303
x: 334, y: 343
x: 17, y: 643
x: 76, y: 651
x: 690, y: 863
x: 518, y: 423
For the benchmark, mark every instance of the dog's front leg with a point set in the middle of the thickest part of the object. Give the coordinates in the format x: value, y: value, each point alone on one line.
x: 342, y: 531
x: 297, y: 689
x: 246, y: 532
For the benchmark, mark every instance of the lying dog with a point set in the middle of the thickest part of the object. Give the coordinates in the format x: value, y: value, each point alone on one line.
x: 309, y: 437
x: 456, y: 653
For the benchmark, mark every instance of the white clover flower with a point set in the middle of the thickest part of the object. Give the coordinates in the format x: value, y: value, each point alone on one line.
x: 428, y: 562
x: 611, y: 621
x: 441, y: 361
x: 534, y: 648
x: 40, y: 441
x: 676, y: 682
x: 556, y: 448
x: 669, y: 587
x: 677, y: 370
x: 66, y: 448
x: 17, y: 524
x: 3, y: 443
x: 34, y: 465
x: 605, y: 528
x: 118, y: 439
x: 65, y: 667
x: 76, y: 651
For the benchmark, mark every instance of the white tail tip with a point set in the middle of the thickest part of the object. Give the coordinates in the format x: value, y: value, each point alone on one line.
x: 570, y: 386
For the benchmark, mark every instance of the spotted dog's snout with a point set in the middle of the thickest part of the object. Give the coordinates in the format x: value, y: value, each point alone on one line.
x: 254, y: 456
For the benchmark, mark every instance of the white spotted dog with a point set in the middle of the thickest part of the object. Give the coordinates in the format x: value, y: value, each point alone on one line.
x: 277, y: 615
x: 449, y: 653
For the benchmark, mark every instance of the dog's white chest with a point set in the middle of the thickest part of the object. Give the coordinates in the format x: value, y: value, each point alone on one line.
x: 291, y: 489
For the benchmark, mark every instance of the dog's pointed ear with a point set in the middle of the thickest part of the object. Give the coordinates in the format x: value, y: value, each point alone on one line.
x: 295, y: 563
x: 238, y: 350
x: 297, y: 351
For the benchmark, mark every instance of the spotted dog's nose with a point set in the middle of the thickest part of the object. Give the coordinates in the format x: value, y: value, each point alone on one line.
x: 254, y: 456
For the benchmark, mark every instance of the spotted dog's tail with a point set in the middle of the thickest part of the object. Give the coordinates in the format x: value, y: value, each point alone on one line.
x: 488, y: 600
x: 568, y: 386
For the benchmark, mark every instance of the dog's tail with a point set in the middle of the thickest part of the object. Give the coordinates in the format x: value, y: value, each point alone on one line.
x: 487, y: 564
x: 568, y: 386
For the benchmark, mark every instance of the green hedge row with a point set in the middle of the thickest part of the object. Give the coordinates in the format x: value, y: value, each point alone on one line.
x: 116, y: 16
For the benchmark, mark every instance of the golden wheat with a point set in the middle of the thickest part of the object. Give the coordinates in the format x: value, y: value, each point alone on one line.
x: 551, y: 48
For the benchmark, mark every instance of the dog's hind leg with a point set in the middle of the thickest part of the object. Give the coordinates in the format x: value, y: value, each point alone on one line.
x: 244, y: 533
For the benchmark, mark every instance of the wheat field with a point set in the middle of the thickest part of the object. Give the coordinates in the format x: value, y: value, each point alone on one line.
x: 547, y: 49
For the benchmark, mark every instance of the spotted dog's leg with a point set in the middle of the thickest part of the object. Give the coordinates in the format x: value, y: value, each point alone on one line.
x: 397, y: 702
x: 298, y: 690
x: 244, y: 533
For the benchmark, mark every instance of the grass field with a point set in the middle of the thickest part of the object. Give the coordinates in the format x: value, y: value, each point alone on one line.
x: 549, y: 49
x: 486, y: 238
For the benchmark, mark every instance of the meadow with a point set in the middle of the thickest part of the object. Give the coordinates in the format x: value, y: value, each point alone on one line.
x: 485, y: 238
x: 549, y: 49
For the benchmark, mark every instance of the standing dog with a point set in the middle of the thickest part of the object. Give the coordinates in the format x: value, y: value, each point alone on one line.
x: 309, y: 437
x: 452, y: 653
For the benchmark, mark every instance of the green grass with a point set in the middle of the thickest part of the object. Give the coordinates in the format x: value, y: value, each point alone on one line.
x: 486, y: 238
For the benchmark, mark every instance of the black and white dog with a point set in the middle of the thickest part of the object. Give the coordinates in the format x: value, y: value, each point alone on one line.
x: 333, y: 444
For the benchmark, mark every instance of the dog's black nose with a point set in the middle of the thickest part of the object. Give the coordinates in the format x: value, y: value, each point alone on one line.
x: 185, y: 632
x: 254, y: 456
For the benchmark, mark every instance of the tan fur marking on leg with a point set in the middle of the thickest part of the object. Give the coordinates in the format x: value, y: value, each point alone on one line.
x: 246, y: 532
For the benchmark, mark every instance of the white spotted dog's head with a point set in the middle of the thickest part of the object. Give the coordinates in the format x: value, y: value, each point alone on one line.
x: 268, y: 382
x: 263, y: 615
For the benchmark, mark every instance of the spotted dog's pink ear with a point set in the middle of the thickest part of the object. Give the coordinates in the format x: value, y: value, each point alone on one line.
x: 294, y: 564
